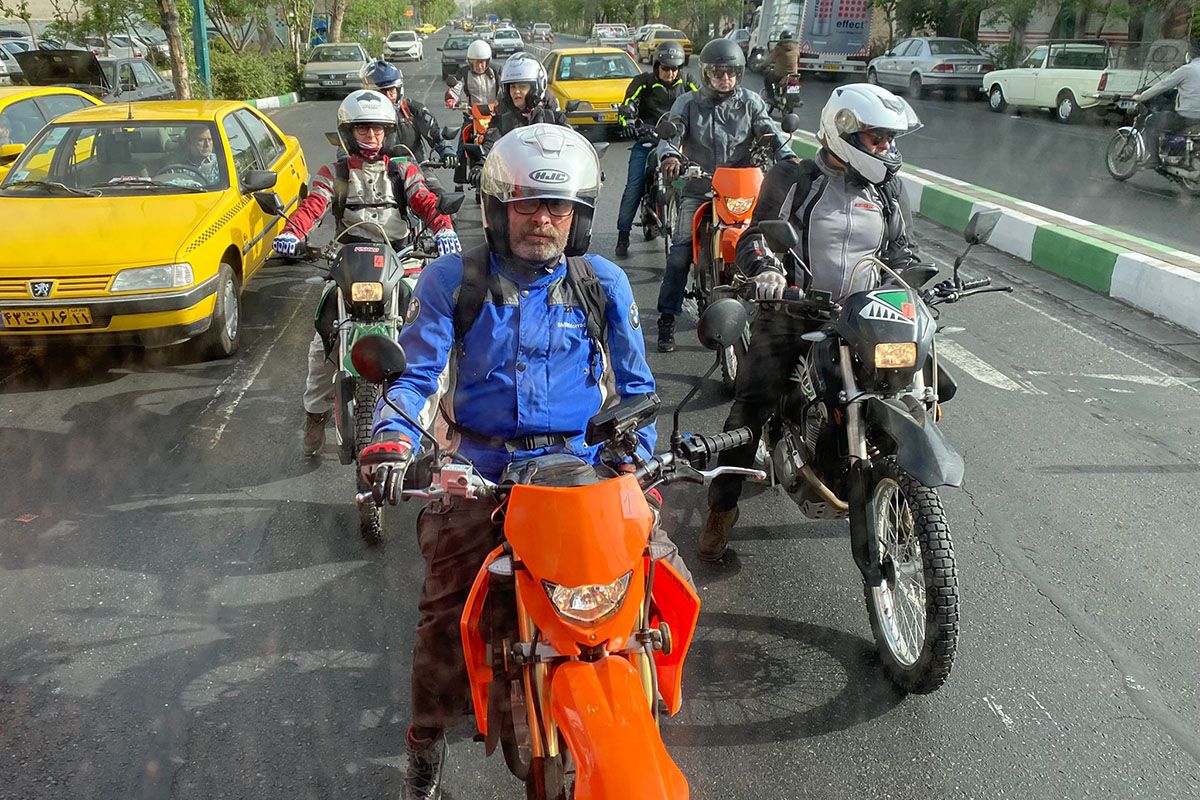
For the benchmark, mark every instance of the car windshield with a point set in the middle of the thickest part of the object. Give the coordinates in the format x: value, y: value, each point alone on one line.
x: 596, y: 67
x: 402, y: 36
x: 507, y: 35
x: 952, y: 47
x: 326, y: 54
x: 122, y: 158
x: 458, y: 43
x: 541, y: 27
x: 670, y: 35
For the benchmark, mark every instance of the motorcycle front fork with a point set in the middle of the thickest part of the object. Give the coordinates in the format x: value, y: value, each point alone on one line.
x: 864, y: 539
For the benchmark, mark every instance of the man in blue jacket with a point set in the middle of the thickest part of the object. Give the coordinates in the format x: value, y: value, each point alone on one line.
x: 519, y: 377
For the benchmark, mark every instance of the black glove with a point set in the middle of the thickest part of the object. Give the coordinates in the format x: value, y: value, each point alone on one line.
x: 449, y: 159
x: 383, y: 463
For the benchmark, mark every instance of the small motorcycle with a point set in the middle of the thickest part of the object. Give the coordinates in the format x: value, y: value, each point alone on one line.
x: 660, y: 201
x: 855, y: 436
x: 477, y: 118
x: 1178, y: 154
x: 784, y: 95
x: 368, y: 292
x: 575, y: 630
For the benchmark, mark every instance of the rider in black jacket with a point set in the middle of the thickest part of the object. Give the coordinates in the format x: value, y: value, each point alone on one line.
x: 650, y: 95
x: 847, y: 203
x: 522, y: 99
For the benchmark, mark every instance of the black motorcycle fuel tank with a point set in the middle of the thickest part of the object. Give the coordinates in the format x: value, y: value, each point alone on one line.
x: 878, y: 316
x: 367, y: 263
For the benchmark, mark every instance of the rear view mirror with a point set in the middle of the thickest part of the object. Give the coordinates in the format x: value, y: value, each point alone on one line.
x: 449, y: 133
x: 450, y: 202
x: 451, y: 80
x: 378, y: 358
x: 333, y: 138
x: 791, y: 123
x: 779, y: 233
x: 256, y: 180
x: 722, y: 323
x: 270, y: 203
x: 981, y: 226
x: 667, y: 129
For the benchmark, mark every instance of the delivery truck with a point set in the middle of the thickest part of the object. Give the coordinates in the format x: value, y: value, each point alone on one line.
x: 834, y: 35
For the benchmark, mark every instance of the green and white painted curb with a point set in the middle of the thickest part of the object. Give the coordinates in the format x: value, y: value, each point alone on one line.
x: 1147, y: 275
x: 263, y: 103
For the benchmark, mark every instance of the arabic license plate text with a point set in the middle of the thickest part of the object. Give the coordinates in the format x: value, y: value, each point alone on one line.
x: 46, y: 317
x: 333, y: 83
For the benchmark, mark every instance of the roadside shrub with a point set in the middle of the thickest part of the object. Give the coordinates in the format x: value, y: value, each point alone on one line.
x: 250, y: 76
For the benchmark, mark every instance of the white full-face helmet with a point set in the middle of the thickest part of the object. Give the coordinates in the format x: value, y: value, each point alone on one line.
x: 479, y: 50
x: 861, y: 107
x: 525, y: 70
x: 540, y: 161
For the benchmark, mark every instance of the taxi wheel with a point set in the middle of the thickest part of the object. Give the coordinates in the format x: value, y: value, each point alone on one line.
x: 225, y: 329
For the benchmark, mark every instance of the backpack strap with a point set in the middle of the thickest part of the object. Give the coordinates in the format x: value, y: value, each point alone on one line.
x: 405, y: 110
x: 587, y: 287
x: 471, y: 292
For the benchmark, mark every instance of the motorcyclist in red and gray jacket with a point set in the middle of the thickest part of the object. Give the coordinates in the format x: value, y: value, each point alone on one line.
x: 367, y: 187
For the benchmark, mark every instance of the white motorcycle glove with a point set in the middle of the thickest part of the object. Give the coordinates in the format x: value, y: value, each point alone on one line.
x: 286, y: 244
x: 769, y: 285
x: 446, y: 242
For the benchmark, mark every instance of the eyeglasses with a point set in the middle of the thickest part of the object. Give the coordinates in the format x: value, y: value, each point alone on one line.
x: 877, y: 137
x: 723, y: 72
x: 366, y: 127
x: 557, y: 206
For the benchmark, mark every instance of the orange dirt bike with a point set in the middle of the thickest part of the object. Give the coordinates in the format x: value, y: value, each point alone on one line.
x: 718, y: 225
x: 477, y: 118
x: 575, y: 631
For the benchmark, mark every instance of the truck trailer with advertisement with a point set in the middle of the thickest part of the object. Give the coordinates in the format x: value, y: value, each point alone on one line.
x: 834, y: 35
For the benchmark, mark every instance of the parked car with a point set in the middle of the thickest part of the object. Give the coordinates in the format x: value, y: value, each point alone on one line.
x: 25, y: 110
x: 336, y: 69
x: 403, y: 46
x: 924, y: 63
x: 642, y: 30
x: 108, y: 79
x: 741, y: 36
x: 655, y: 37
x: 507, y: 41
x: 160, y: 244
x: 543, y: 33
x: 454, y: 53
x: 595, y: 76
x: 10, y: 70
x: 1065, y: 77
x: 610, y: 35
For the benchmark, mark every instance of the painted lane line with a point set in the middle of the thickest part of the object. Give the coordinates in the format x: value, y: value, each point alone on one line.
x: 980, y: 370
x: 1145, y: 380
x: 999, y: 712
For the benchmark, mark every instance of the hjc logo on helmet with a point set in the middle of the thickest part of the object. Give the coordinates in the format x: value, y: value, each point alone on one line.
x: 549, y: 176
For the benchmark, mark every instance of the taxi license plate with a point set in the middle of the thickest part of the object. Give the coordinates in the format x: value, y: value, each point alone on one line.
x: 831, y: 67
x: 46, y: 318
x: 333, y: 83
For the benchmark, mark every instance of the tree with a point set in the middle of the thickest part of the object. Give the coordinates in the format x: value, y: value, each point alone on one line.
x: 169, y: 18
x: 336, y: 16
x: 20, y: 11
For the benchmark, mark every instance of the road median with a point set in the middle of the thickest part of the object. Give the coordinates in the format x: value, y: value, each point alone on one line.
x: 1144, y: 274
x: 263, y: 103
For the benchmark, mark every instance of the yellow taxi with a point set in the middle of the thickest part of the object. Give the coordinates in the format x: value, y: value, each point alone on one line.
x: 426, y: 28
x: 25, y: 110
x: 656, y: 36
x: 138, y: 224
x: 595, y: 76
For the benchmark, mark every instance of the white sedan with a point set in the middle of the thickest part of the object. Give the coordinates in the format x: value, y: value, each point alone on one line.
x: 403, y: 46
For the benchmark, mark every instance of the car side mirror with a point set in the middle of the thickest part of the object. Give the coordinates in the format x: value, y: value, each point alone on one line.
x: 572, y: 106
x: 779, y: 233
x: 255, y: 180
x: 791, y: 123
x: 270, y: 202
x: 722, y: 323
x: 378, y: 358
x: 890, y: 53
x: 981, y: 225
x: 9, y: 152
x: 451, y: 202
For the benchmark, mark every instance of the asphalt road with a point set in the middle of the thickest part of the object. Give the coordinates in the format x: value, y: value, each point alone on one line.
x: 188, y: 612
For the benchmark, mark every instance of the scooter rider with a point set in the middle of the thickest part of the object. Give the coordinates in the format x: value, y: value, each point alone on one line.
x: 523, y: 100
x: 1186, y: 115
x: 362, y: 186
x: 785, y: 60
x: 651, y: 96
x: 415, y: 124
x: 519, y: 379
x: 846, y: 203
x: 718, y: 126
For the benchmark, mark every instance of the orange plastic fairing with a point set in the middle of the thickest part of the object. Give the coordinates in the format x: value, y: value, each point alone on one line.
x: 580, y: 536
x: 729, y: 240
x: 475, y: 649
x: 677, y: 604
x: 731, y: 182
x: 601, y: 709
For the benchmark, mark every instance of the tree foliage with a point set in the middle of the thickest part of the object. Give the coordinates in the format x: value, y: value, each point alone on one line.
x: 20, y: 10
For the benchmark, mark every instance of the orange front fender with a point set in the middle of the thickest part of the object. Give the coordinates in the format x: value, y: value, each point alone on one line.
x: 729, y: 240
x: 601, y: 710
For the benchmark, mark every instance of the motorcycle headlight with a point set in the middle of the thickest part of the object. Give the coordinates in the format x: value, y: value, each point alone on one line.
x: 367, y: 292
x: 895, y: 355
x: 590, y: 603
x: 739, y: 205
x: 143, y: 279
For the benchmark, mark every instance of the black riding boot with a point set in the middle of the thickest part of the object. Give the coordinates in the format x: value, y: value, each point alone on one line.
x: 426, y: 757
x: 666, y: 333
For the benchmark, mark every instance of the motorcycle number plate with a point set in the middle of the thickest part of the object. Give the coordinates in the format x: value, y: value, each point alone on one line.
x: 793, y: 90
x: 46, y: 318
x: 1126, y: 104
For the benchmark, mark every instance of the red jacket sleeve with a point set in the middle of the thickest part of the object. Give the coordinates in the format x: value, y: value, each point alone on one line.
x: 309, y: 213
x: 421, y: 199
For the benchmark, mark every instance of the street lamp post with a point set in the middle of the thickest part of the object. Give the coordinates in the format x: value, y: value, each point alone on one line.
x: 200, y: 45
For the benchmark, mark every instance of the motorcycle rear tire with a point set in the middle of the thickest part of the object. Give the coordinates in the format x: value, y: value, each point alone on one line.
x: 370, y: 516
x: 923, y: 669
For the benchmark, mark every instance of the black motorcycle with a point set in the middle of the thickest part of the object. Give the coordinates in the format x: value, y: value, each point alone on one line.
x: 660, y: 200
x: 1178, y: 154
x: 783, y: 95
x: 855, y: 436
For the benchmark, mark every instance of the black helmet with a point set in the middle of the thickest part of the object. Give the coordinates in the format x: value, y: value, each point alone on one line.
x: 720, y: 53
x: 786, y: 36
x: 669, y: 54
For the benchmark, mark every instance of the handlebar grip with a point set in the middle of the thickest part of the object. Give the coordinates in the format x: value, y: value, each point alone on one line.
x: 727, y: 440
x: 792, y: 293
x: 979, y: 284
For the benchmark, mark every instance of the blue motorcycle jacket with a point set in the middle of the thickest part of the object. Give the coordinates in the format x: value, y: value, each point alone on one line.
x: 526, y: 367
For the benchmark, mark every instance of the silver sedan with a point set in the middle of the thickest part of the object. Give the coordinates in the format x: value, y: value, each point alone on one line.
x: 936, y: 62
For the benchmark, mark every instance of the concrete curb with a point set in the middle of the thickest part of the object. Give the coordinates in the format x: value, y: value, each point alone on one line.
x: 1141, y: 273
x: 264, y: 103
